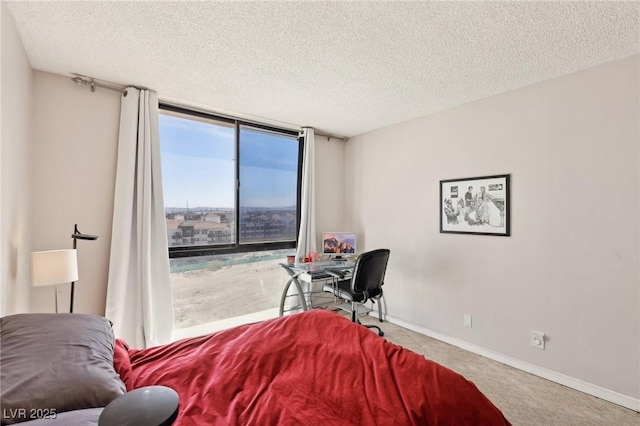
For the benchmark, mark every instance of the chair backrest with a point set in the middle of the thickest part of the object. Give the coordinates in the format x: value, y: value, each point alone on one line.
x: 368, y: 273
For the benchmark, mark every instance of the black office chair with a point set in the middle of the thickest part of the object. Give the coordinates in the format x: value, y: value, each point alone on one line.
x: 365, y: 283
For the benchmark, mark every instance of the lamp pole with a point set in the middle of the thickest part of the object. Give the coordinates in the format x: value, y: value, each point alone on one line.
x: 77, y: 235
x: 73, y: 283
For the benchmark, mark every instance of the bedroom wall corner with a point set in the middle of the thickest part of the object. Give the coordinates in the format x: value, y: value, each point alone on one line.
x: 74, y: 166
x: 16, y: 91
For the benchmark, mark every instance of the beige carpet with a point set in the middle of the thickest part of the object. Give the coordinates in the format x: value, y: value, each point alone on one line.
x: 523, y: 398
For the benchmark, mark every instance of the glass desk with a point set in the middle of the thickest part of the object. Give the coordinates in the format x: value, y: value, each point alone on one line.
x: 309, y: 275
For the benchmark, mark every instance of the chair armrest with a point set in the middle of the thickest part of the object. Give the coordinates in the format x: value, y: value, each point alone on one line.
x: 336, y: 273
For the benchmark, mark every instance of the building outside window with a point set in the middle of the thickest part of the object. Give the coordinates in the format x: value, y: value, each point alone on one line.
x: 232, y: 196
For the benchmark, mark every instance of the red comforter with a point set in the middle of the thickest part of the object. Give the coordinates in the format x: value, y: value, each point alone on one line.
x: 315, y: 368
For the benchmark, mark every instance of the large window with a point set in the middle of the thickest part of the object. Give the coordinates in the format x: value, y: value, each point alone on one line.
x: 232, y: 196
x: 229, y: 186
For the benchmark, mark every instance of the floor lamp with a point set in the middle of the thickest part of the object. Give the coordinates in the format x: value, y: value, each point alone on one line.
x: 53, y: 267
x: 77, y: 235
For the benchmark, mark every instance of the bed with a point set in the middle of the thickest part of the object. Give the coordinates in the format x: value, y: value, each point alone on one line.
x: 310, y: 368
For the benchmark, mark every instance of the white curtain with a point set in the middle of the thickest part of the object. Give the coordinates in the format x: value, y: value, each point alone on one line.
x: 307, y: 234
x: 139, y: 288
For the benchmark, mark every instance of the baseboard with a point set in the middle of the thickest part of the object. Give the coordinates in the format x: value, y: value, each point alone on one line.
x: 573, y: 383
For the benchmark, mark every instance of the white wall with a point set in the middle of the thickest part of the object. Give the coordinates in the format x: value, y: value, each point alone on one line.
x: 571, y: 267
x: 330, y: 184
x: 15, y: 153
x: 74, y: 165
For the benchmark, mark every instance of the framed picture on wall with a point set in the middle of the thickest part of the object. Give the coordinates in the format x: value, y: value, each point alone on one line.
x: 478, y: 205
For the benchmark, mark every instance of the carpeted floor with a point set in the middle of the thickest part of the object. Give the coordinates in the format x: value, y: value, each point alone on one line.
x: 523, y: 398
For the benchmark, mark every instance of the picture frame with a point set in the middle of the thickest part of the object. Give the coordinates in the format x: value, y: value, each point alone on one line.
x: 476, y: 205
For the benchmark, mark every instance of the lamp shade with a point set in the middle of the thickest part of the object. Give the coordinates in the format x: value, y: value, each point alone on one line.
x: 53, y: 267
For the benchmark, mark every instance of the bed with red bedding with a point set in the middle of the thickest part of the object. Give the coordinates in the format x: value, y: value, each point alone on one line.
x: 306, y: 369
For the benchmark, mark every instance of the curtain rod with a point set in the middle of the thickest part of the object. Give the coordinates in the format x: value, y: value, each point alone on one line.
x: 92, y: 83
x: 83, y: 80
x: 287, y: 126
x: 195, y: 108
x: 329, y: 136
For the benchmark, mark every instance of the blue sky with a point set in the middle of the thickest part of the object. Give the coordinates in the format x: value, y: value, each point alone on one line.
x: 198, y: 161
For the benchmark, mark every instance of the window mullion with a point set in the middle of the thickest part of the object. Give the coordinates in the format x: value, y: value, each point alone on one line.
x: 237, y: 180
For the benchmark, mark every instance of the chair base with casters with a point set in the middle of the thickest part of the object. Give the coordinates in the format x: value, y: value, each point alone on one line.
x: 380, y: 332
x: 365, y: 284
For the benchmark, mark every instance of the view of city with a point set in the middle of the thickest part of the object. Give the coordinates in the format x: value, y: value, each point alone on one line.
x: 209, y: 291
x: 210, y: 225
x: 200, y: 185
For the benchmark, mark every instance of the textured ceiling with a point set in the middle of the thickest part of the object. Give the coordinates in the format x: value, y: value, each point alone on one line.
x: 342, y: 67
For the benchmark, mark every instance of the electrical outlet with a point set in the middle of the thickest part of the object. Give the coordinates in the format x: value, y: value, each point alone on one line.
x: 467, y: 320
x: 537, y: 339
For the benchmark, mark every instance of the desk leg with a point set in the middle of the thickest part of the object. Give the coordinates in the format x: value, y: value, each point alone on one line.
x: 301, y: 295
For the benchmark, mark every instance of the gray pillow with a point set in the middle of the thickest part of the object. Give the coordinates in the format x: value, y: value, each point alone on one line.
x: 51, y: 363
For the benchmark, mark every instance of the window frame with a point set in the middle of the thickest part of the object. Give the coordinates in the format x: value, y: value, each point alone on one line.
x: 236, y: 246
